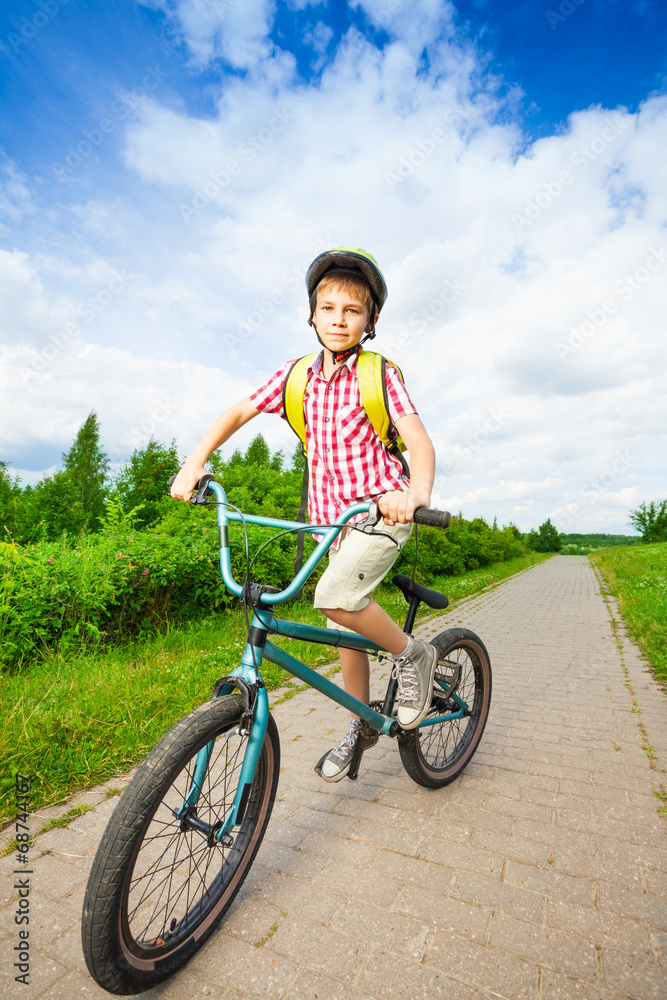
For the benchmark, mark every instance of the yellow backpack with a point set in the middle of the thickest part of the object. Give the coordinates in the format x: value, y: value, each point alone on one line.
x: 371, y: 373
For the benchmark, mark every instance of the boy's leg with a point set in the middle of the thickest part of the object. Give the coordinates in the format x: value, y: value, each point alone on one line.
x: 356, y: 674
x: 344, y: 595
x: 374, y: 623
x: 414, y: 661
x: 335, y: 763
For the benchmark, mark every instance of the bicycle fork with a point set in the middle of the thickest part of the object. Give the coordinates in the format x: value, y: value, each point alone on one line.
x: 253, y: 724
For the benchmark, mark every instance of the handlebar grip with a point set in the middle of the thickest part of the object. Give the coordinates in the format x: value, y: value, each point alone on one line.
x: 434, y: 518
x: 199, y: 490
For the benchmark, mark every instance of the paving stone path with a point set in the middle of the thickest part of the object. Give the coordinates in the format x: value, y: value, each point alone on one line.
x: 540, y: 873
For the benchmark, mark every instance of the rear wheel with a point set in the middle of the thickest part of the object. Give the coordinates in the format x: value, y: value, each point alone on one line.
x: 161, y: 882
x: 434, y: 755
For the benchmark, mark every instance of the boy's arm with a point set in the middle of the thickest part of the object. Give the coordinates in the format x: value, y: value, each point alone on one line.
x: 398, y: 506
x: 227, y: 424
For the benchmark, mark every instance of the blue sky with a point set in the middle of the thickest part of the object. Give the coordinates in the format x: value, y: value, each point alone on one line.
x: 168, y: 167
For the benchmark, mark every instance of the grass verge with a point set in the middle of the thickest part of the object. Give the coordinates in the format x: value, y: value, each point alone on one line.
x: 637, y: 577
x: 74, y: 722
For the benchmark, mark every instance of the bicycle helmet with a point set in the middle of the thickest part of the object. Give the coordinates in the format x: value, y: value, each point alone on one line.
x: 348, y: 260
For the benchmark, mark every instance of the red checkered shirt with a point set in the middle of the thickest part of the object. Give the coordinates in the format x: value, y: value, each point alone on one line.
x: 347, y: 461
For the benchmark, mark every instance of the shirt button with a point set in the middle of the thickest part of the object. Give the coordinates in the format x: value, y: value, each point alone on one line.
x: 326, y: 420
x: 361, y: 576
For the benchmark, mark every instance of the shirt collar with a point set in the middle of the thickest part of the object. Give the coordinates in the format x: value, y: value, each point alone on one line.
x: 316, y: 364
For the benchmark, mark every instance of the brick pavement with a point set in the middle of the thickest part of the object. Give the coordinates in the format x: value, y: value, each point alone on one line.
x: 540, y: 873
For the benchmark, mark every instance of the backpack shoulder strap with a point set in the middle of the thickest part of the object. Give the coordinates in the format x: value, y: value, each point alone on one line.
x: 294, y: 391
x: 371, y: 373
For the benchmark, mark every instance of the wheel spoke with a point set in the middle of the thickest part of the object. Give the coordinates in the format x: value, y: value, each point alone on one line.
x: 435, y: 754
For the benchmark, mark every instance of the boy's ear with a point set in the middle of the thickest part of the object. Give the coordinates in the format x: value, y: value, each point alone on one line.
x: 368, y: 325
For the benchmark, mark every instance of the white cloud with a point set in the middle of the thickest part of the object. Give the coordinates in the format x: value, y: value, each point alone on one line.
x: 135, y: 397
x: 526, y: 286
x: 418, y: 23
x: 233, y: 30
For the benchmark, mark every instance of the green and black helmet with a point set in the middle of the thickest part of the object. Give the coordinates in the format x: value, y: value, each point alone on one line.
x: 347, y: 260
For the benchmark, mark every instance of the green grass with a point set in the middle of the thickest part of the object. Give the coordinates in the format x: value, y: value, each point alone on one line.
x: 637, y: 577
x: 73, y: 722
x: 56, y: 823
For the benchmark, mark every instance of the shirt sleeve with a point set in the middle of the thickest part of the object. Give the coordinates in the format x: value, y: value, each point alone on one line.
x: 269, y: 397
x: 400, y: 404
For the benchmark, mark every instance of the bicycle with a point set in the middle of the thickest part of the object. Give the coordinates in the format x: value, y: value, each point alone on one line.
x: 188, y: 826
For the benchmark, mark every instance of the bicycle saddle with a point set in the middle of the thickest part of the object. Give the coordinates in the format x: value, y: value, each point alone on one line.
x: 412, y: 589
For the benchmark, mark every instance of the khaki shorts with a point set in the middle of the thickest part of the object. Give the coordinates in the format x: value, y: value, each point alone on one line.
x: 357, y: 567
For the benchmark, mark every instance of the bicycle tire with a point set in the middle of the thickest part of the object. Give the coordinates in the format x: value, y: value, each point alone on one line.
x: 157, y: 889
x: 435, y: 755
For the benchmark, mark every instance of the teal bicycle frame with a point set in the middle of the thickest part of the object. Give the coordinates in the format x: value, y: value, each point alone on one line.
x: 259, y: 647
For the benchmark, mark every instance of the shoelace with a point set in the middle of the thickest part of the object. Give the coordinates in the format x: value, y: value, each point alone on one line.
x: 348, y: 741
x: 408, y: 679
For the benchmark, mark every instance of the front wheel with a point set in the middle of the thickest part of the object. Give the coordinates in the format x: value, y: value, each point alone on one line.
x: 433, y: 755
x: 161, y: 881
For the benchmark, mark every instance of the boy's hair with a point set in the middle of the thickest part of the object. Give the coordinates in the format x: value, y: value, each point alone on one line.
x: 349, y: 283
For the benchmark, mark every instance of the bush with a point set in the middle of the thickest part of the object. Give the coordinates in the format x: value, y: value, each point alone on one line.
x: 121, y: 582
x: 466, y: 545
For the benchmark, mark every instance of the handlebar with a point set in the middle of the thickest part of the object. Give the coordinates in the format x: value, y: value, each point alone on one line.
x: 328, y: 533
x: 423, y: 515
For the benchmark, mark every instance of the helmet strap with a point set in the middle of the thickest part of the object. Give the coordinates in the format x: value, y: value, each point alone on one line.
x: 340, y: 356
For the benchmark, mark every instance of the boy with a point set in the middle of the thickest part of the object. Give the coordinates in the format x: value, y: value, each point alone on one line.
x: 348, y: 463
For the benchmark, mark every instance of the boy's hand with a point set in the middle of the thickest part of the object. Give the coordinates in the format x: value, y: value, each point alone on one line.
x: 398, y: 507
x: 186, y: 480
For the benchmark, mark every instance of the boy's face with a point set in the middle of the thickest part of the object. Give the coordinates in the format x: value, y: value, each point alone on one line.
x: 341, y: 318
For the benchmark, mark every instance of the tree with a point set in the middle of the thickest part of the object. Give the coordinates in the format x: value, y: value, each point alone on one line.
x: 86, y: 466
x: 143, y: 481
x: 650, y: 519
x: 50, y: 507
x: 258, y: 452
x: 10, y: 492
x: 547, y: 538
x: 298, y: 460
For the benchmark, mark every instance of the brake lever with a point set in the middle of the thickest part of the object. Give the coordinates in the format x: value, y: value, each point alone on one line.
x: 198, y: 499
x: 372, y: 519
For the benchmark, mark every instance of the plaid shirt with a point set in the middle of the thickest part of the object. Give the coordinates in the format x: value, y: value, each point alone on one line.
x: 347, y: 461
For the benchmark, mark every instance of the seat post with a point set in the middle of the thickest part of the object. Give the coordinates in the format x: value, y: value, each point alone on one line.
x: 411, y: 615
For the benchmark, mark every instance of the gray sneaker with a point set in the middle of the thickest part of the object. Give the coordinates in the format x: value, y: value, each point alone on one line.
x: 415, y: 672
x: 335, y: 764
